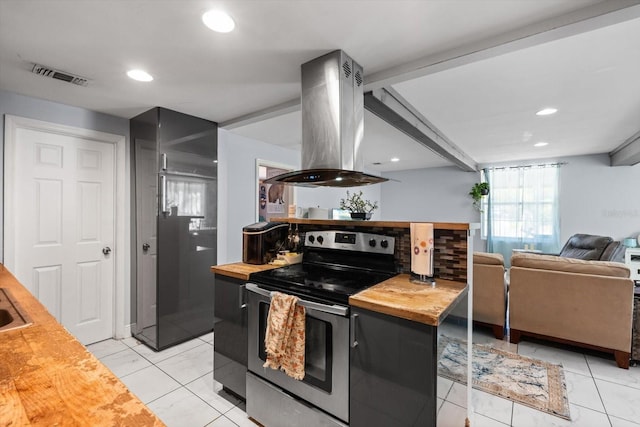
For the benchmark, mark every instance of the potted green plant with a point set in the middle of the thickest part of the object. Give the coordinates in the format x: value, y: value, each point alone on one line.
x: 357, y: 206
x: 478, y: 190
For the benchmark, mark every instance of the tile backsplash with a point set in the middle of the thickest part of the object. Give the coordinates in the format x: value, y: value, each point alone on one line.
x: 450, y: 257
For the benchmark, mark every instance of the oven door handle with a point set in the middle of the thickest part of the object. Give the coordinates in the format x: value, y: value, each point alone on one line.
x: 331, y: 309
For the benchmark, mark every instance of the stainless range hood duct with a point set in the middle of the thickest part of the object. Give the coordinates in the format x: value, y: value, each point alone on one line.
x: 332, y: 125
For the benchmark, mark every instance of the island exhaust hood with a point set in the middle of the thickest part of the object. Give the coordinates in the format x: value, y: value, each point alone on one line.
x: 332, y: 103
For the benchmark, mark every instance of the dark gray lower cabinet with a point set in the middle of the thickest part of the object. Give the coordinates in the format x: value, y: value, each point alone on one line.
x: 393, y: 371
x: 231, y: 334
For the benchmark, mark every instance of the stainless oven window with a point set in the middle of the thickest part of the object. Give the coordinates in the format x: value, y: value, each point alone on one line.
x: 318, y: 349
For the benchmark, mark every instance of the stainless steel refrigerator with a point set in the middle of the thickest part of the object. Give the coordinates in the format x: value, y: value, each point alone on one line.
x: 175, y: 199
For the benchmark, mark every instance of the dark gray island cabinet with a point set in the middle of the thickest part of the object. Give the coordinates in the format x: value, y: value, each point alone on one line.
x: 230, y: 326
x: 393, y: 375
x: 230, y: 334
x: 395, y: 327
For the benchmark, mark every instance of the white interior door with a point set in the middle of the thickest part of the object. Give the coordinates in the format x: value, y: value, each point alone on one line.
x: 64, y: 219
x: 146, y: 250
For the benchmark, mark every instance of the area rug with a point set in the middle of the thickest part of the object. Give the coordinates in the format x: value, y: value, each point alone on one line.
x: 531, y: 382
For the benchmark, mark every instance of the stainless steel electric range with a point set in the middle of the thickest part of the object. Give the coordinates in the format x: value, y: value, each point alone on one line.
x: 336, y: 265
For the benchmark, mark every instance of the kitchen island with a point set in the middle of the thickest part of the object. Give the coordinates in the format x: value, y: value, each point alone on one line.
x: 394, y: 325
x: 47, y: 378
x: 394, y: 350
x: 393, y: 359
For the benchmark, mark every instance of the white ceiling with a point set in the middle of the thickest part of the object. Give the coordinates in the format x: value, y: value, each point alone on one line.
x: 476, y: 69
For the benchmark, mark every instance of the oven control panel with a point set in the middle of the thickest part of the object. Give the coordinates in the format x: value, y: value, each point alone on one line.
x: 350, y: 241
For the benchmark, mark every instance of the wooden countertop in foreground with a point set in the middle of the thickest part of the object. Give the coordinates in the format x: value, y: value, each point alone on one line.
x: 400, y: 297
x: 240, y: 270
x: 47, y: 378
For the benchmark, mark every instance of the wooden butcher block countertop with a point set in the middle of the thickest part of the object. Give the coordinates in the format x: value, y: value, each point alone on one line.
x: 240, y: 270
x: 400, y: 297
x: 47, y: 378
x: 383, y: 224
x: 397, y: 296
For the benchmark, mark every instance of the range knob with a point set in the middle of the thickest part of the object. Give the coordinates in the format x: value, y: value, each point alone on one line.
x: 311, y: 238
x: 384, y: 244
x: 320, y: 239
x: 372, y: 243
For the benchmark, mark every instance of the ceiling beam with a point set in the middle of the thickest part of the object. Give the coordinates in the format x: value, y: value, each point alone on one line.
x: 264, y: 114
x: 595, y: 16
x: 391, y: 107
x: 590, y: 18
x: 628, y: 153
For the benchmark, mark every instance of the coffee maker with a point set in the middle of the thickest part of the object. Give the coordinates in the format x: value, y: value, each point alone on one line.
x: 262, y: 241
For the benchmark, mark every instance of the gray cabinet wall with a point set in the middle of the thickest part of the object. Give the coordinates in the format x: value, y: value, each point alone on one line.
x: 175, y: 199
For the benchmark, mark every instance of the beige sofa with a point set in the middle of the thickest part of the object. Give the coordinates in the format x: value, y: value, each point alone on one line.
x: 583, y: 303
x: 489, y: 293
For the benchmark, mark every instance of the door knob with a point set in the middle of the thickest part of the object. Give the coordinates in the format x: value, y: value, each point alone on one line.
x: 106, y: 250
x: 145, y: 247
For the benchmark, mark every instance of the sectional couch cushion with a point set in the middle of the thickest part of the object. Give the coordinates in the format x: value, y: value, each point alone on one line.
x: 489, y: 293
x: 488, y: 258
x: 570, y: 265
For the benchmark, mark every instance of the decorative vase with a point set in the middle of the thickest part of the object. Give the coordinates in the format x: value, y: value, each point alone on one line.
x: 361, y: 215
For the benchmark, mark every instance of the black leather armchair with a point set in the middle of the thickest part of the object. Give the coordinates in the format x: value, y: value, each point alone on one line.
x: 592, y: 247
x: 585, y: 246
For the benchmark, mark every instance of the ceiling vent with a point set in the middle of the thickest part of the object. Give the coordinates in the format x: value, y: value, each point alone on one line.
x: 59, y: 75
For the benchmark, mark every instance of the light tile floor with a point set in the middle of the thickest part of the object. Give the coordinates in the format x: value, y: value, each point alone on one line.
x: 177, y: 385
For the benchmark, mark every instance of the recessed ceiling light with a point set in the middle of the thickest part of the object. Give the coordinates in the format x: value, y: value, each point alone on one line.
x: 547, y: 111
x: 139, y: 75
x: 540, y: 144
x: 395, y: 159
x: 218, y: 21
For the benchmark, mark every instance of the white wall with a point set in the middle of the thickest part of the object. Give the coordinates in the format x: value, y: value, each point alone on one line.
x: 431, y: 195
x: 237, y: 187
x: 598, y: 199
x: 436, y: 194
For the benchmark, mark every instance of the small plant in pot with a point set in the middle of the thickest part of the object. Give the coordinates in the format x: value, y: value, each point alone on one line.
x: 478, y: 190
x: 357, y: 206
